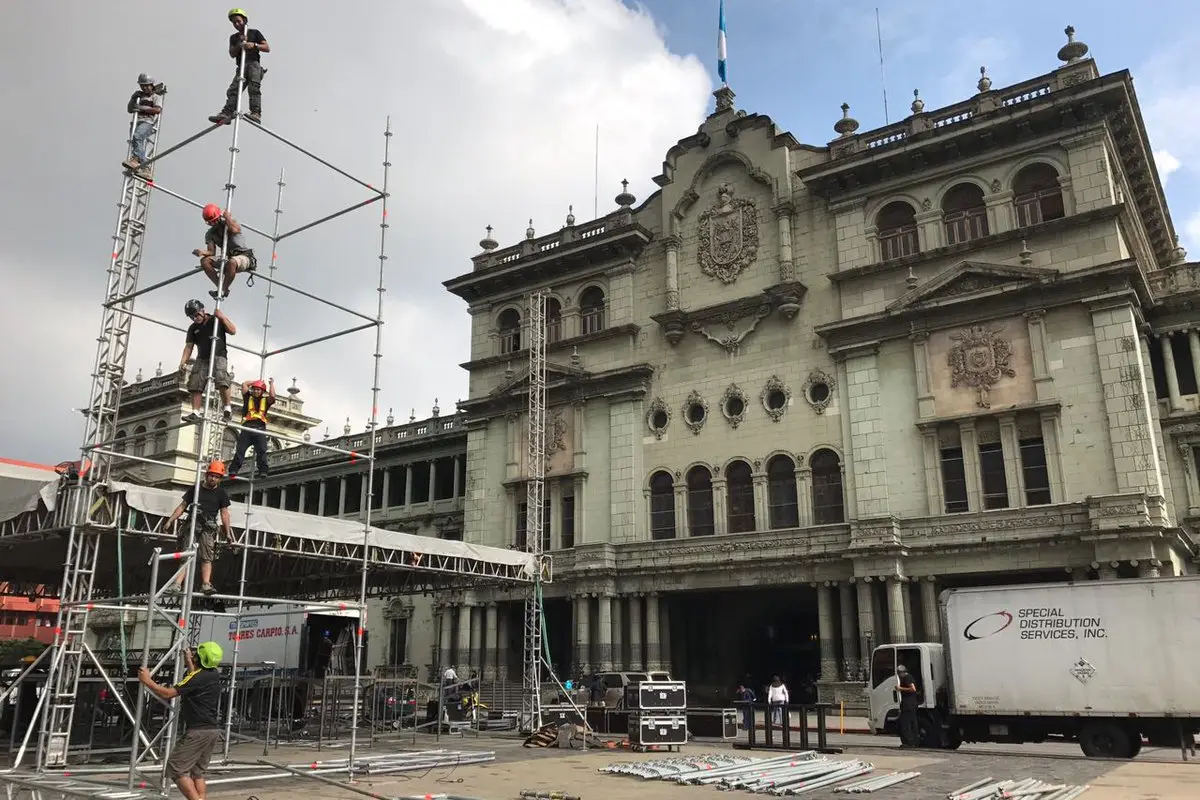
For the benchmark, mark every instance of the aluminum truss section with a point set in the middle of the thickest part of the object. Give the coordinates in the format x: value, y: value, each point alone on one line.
x: 535, y: 504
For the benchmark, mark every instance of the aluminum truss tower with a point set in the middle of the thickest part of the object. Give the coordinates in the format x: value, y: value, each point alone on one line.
x: 535, y: 504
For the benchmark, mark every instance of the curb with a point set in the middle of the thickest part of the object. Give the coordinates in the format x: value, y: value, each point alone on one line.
x: 830, y: 729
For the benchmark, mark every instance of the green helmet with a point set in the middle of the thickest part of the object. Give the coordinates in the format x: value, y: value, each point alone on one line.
x: 209, y: 654
x: 239, y: 12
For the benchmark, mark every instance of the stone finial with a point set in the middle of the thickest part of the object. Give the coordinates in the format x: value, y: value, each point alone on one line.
x: 1026, y: 254
x: 307, y: 437
x: 910, y: 280
x: 138, y: 378
x: 1178, y: 254
x: 346, y: 427
x: 847, y: 125
x: 391, y: 419
x: 487, y: 243
x: 1072, y: 51
x: 576, y: 361
x: 918, y: 105
x: 293, y: 390
x: 625, y: 199
x: 724, y: 97
x: 529, y: 232
x: 436, y: 410
x: 158, y: 370
x: 412, y: 415
x: 326, y: 437
x: 570, y: 216
x: 985, y: 83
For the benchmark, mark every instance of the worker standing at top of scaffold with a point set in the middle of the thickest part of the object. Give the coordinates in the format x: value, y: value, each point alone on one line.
x: 145, y: 102
x: 200, y: 334
x: 223, y: 231
x: 250, y: 44
x: 257, y: 399
x: 212, y: 504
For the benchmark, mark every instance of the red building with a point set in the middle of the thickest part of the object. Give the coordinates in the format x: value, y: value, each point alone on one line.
x: 26, y: 616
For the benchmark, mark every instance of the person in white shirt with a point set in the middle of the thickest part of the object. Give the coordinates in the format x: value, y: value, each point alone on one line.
x: 449, y: 676
x: 777, y: 696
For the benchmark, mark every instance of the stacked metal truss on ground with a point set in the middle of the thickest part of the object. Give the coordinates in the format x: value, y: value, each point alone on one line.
x: 990, y: 789
x: 790, y: 774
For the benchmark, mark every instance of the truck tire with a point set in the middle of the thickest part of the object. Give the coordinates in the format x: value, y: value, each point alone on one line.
x: 1105, y: 740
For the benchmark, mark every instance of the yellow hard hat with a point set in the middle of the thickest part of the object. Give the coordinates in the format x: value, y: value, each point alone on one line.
x: 239, y: 12
x: 209, y: 654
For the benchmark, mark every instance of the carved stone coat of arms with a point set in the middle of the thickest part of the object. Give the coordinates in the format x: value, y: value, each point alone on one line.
x: 979, y: 358
x: 728, y: 236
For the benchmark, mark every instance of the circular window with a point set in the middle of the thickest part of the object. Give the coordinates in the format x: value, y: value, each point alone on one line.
x: 695, y: 413
x: 776, y: 400
x: 818, y: 392
x: 658, y: 417
x: 658, y: 420
x: 735, y: 406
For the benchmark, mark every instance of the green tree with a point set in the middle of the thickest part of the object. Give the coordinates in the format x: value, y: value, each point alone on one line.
x: 13, y: 651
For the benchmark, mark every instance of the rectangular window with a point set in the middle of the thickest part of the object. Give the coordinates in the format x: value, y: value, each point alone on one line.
x: 954, y: 480
x: 451, y: 535
x: 592, y: 320
x: 965, y: 226
x: 991, y: 474
x: 1035, y: 472
x: 567, y: 539
x: 553, y: 329
x: 898, y: 243
x: 398, y: 641
x: 546, y: 525
x: 510, y: 340
x: 522, y: 540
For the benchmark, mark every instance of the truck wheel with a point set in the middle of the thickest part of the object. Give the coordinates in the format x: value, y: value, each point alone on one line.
x: 1105, y: 740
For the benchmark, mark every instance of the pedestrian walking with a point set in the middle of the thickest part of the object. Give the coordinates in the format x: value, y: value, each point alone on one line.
x: 777, y: 697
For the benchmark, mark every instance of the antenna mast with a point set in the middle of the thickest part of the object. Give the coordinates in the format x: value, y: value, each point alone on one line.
x: 882, y: 75
x: 596, y: 177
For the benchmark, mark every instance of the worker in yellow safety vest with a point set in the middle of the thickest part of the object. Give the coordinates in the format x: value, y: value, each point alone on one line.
x: 257, y: 399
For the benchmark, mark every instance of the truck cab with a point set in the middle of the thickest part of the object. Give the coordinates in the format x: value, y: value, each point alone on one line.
x: 926, y: 662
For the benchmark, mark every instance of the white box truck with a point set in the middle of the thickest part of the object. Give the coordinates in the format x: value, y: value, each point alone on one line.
x: 1103, y: 663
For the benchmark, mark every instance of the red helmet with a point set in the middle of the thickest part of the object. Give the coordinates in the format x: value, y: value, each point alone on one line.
x: 211, y: 212
x: 258, y: 385
x: 216, y: 468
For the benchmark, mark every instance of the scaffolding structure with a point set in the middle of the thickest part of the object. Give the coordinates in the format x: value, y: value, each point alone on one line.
x: 94, y: 505
x: 533, y: 657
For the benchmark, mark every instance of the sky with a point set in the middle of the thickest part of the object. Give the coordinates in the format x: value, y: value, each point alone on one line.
x: 494, y: 108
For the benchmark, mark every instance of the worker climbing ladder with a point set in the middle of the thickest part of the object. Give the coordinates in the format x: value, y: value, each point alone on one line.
x: 102, y: 413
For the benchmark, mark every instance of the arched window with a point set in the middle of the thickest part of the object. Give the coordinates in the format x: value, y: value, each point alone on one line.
x: 591, y: 310
x: 509, y: 323
x: 829, y: 506
x: 896, y: 227
x: 1037, y: 196
x: 964, y: 214
x: 739, y: 488
x: 140, y: 444
x: 662, y: 505
x: 782, y: 501
x: 700, y: 502
x: 553, y: 320
x: 160, y: 436
x: 120, y: 443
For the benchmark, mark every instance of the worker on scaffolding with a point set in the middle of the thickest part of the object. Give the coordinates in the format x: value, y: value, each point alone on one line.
x: 143, y: 102
x: 212, y: 505
x: 200, y: 702
x: 249, y: 44
x: 224, y: 234
x: 257, y: 399
x: 204, y: 328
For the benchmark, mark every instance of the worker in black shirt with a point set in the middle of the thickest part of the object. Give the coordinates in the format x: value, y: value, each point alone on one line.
x: 250, y: 44
x: 256, y: 402
x: 212, y: 505
x: 910, y: 701
x: 145, y: 103
x: 200, y: 693
x: 200, y: 335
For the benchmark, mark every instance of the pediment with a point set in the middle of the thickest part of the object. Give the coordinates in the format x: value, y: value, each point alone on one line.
x: 555, y: 373
x: 972, y: 280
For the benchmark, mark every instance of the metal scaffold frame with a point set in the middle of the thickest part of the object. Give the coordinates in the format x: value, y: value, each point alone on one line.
x: 93, y: 510
x: 535, y: 501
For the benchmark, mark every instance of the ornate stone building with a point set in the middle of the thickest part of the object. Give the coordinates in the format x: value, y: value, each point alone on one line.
x: 799, y: 390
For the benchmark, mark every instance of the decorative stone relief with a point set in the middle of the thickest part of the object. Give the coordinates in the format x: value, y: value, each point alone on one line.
x: 730, y: 339
x: 728, y: 236
x: 733, y: 405
x: 979, y: 358
x: 926, y: 204
x: 695, y: 412
x: 658, y: 417
x: 775, y: 397
x: 996, y: 186
x: 818, y: 390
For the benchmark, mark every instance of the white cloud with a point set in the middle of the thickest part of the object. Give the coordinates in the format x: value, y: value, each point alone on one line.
x: 1166, y: 163
x: 494, y: 105
x: 1191, y: 234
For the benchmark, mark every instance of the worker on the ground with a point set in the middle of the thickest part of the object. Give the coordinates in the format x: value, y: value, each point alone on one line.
x: 145, y: 103
x: 212, y: 505
x: 223, y: 232
x: 910, y: 701
x: 200, y: 334
x: 250, y: 44
x: 257, y: 399
x: 200, y: 701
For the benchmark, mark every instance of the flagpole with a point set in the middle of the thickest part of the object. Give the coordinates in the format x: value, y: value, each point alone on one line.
x: 721, y: 47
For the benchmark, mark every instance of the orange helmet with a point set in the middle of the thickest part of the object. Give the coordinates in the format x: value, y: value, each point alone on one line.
x: 216, y: 468
x: 211, y: 212
x: 258, y: 385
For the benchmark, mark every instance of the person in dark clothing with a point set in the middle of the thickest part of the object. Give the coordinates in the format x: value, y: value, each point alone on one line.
x: 145, y: 103
x: 200, y: 700
x: 745, y: 697
x: 255, y: 406
x: 200, y: 334
x: 212, y: 503
x: 910, y: 701
x: 249, y: 44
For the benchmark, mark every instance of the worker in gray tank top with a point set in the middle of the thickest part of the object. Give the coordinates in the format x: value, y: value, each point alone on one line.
x: 224, y: 231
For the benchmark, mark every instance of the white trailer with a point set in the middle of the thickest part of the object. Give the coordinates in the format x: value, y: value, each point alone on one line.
x: 1104, y: 663
x: 275, y: 635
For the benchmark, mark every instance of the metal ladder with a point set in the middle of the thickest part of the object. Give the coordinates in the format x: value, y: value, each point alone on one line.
x: 83, y: 544
x: 60, y: 786
x: 531, y: 700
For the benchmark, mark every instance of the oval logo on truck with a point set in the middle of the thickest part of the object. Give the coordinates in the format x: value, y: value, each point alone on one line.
x: 988, y: 625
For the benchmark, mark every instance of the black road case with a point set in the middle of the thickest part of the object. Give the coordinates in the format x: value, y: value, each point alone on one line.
x: 656, y: 696
x: 657, y: 729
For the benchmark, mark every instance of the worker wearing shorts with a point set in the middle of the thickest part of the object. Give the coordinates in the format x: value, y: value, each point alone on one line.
x: 224, y: 237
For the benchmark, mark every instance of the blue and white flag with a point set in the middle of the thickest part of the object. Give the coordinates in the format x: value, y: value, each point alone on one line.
x: 721, y: 45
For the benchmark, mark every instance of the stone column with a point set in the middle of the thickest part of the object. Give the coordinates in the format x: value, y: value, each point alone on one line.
x: 635, y: 632
x: 583, y: 635
x: 653, y: 645
x: 825, y: 632
x: 720, y: 504
x: 462, y: 655
x: 492, y: 649
x: 849, y: 630
x: 408, y: 482
x: 896, y: 609
x: 321, y: 499
x: 929, y: 610
x: 1043, y: 381
x: 477, y: 631
x: 385, y: 488
x: 1194, y: 349
x: 664, y: 634
x: 969, y: 443
x: 1148, y: 569
x: 868, y: 637
x: 604, y: 648
x: 866, y: 421
x: 1168, y: 356
x: 446, y: 654
x: 671, y: 243
x: 457, y: 488
x: 683, y: 527
x: 432, y: 477
x: 303, y: 494
x: 762, y: 512
x: 502, y: 644
x: 617, y: 633
x: 341, y: 496
x: 804, y: 509
x: 783, y: 214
